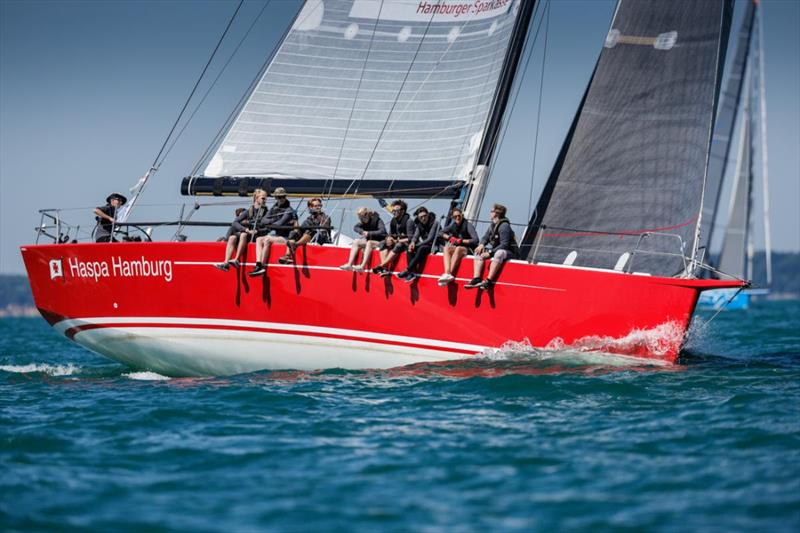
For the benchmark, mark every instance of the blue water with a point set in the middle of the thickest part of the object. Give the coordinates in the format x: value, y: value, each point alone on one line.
x: 528, y: 441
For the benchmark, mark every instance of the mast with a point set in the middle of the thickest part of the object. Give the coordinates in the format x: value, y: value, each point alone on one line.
x: 476, y: 189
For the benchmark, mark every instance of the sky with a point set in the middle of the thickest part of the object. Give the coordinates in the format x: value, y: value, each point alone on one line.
x: 89, y: 90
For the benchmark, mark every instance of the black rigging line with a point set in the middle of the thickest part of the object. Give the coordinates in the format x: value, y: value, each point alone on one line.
x: 219, y: 75
x: 250, y: 88
x: 186, y: 104
x: 539, y: 107
x: 357, y: 181
x: 355, y: 98
x: 500, y: 138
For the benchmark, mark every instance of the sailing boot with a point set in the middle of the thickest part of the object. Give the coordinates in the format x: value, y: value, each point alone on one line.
x: 257, y: 271
x: 473, y: 283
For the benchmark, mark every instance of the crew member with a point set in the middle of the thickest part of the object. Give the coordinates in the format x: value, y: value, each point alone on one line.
x: 499, y: 244
x: 243, y: 230
x: 106, y: 216
x: 460, y: 239
x: 401, y: 227
x: 316, y: 229
x: 426, y: 228
x: 371, y: 231
x: 277, y: 225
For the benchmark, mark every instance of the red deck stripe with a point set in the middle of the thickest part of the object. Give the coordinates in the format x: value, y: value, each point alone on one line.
x: 71, y: 332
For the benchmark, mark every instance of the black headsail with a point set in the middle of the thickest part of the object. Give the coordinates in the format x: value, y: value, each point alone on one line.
x: 631, y: 175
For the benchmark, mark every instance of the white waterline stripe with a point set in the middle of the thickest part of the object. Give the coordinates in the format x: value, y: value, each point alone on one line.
x: 64, y: 325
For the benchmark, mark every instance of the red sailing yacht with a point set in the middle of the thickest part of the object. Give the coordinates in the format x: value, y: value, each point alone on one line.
x: 392, y: 99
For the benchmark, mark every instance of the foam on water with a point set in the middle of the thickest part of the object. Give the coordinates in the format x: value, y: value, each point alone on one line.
x: 146, y: 376
x: 655, y: 342
x: 570, y: 355
x: 42, y: 368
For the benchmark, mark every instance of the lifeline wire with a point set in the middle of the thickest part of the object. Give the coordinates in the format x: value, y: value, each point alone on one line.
x: 240, y: 104
x: 219, y: 75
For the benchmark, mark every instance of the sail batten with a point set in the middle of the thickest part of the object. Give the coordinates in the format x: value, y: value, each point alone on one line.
x: 373, y: 90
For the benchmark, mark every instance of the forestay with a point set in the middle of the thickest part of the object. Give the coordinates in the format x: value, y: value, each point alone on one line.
x: 373, y: 90
x: 631, y: 173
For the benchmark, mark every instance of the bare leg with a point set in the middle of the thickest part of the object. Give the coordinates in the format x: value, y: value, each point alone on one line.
x: 259, y: 246
x: 357, y: 244
x: 494, y: 270
x: 388, y: 259
x: 367, y: 253
x: 229, y: 248
x: 270, y: 242
x: 446, y: 253
x: 243, y: 239
x: 455, y: 261
x: 291, y: 245
x: 478, y: 269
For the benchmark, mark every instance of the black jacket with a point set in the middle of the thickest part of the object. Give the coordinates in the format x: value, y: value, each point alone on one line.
x: 320, y: 235
x: 374, y: 226
x: 278, y: 216
x: 500, y: 236
x: 251, y: 216
x: 425, y: 233
x: 465, y: 230
x: 401, y: 228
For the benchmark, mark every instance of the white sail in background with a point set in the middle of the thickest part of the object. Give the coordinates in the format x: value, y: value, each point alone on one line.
x: 373, y: 89
x: 737, y: 231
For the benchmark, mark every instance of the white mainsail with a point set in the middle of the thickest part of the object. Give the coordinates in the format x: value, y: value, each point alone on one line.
x: 373, y: 89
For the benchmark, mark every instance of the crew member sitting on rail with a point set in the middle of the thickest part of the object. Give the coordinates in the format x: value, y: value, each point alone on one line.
x: 499, y: 244
x: 371, y: 231
x: 243, y: 230
x: 426, y: 228
x: 460, y: 239
x: 401, y: 227
x: 106, y: 216
x: 275, y: 229
x: 316, y: 229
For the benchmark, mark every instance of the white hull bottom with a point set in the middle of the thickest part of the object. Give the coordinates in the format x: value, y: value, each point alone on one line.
x: 189, y: 351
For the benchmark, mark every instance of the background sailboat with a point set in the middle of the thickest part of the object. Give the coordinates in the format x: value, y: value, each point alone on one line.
x: 742, y: 103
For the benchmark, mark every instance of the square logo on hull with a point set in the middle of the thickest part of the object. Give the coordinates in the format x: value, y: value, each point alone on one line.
x: 56, y: 270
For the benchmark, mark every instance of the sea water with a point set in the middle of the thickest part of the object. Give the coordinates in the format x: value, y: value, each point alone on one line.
x: 525, y: 440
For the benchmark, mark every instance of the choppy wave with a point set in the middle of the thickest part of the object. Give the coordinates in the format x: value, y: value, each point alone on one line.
x: 42, y: 368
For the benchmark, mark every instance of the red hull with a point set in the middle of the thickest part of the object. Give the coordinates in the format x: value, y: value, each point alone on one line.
x: 107, y: 286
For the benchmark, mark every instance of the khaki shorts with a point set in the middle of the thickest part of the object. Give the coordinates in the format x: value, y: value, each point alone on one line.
x: 500, y: 256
